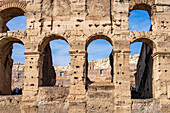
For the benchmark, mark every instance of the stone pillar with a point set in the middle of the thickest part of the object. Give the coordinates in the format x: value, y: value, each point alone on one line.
x: 77, y: 82
x: 31, y: 81
x: 122, y: 77
x: 1, y: 25
x: 6, y: 64
x: 161, y: 79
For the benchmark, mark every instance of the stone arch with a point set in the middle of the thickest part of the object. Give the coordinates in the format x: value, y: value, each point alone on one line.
x: 9, y: 11
x: 95, y: 37
x: 144, y: 75
x: 47, y: 39
x: 6, y: 63
x: 88, y: 41
x: 141, y: 5
x: 146, y: 40
x: 47, y: 70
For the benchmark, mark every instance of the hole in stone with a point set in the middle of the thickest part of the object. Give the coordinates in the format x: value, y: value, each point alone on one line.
x: 75, y: 77
x: 77, y: 66
x: 32, y: 85
x: 120, y: 65
x: 163, y: 57
x: 104, y: 25
x: 165, y: 70
x: 120, y: 83
x: 10, y: 100
x: 90, y: 25
x: 117, y: 72
x: 96, y: 25
x: 77, y: 25
x: 122, y: 72
x: 74, y: 72
x: 32, y: 58
x: 30, y: 66
x: 79, y: 20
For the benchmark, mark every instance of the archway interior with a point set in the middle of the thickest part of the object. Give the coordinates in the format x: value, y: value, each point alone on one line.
x: 100, y: 62
x: 12, y: 68
x: 56, y: 64
x: 141, y: 62
x: 13, y: 57
x: 9, y: 14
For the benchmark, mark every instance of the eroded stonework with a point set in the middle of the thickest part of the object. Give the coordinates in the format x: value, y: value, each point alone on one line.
x: 79, y: 22
x: 63, y: 73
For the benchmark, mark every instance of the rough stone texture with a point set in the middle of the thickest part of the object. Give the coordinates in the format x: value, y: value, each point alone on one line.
x: 145, y: 106
x: 18, y: 75
x: 133, y: 60
x: 10, y: 104
x: 78, y: 24
x: 94, y: 72
x: 103, y: 96
x: 53, y: 99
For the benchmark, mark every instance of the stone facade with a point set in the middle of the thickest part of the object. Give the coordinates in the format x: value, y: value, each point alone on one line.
x: 79, y: 22
x: 18, y: 75
x: 98, y: 71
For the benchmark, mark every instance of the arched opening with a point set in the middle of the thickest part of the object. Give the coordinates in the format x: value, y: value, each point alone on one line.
x: 99, y: 60
x: 141, y: 61
x: 12, y: 66
x: 141, y: 69
x: 16, y: 15
x: 56, y: 68
x: 139, y: 20
x: 13, y: 57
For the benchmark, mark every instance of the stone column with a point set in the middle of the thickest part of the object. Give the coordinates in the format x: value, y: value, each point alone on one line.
x: 31, y: 81
x: 1, y: 25
x: 77, y: 82
x: 161, y: 79
x: 122, y: 77
x: 1, y: 76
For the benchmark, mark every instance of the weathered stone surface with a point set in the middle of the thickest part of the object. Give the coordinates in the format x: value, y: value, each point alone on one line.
x: 53, y: 99
x: 10, y: 104
x: 79, y: 22
x: 147, y: 105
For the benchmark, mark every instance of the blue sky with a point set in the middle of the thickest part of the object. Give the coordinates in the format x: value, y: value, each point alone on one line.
x: 98, y: 49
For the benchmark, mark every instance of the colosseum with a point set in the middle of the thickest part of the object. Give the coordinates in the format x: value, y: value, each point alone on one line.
x: 102, y: 86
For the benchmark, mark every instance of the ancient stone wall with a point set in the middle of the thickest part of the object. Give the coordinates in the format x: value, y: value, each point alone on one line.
x: 79, y: 22
x: 63, y: 73
x: 18, y: 75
